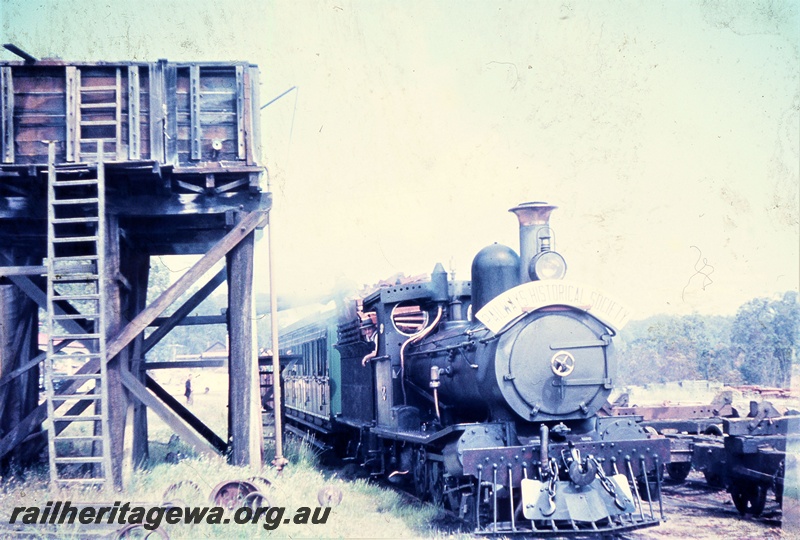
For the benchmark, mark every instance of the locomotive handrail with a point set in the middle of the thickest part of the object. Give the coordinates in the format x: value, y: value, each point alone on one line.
x: 582, y: 382
x: 582, y: 345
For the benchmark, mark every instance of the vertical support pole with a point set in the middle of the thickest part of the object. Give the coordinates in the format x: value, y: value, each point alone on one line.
x: 171, y: 120
x: 7, y: 114
x: 118, y: 116
x: 117, y: 397
x: 158, y: 112
x: 19, y: 326
x: 243, y: 401
x: 134, y: 120
x: 140, y: 265
x: 194, y: 111
x: 240, y: 118
x: 277, y: 398
x: 255, y: 127
x: 73, y: 114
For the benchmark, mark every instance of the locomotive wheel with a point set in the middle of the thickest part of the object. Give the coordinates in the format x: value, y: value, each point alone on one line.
x: 679, y: 471
x: 714, y: 479
x: 749, y: 498
x: 420, y: 474
x: 436, y: 482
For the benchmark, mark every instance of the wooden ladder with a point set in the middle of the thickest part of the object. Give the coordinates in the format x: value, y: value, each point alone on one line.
x: 98, y: 118
x: 76, y: 385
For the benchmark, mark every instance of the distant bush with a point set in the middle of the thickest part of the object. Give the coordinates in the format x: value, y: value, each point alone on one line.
x: 757, y: 346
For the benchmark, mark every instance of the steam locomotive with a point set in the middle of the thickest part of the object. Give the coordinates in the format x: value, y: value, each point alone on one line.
x: 483, y: 395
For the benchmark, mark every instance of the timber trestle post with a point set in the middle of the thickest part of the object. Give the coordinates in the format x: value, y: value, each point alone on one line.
x: 131, y: 170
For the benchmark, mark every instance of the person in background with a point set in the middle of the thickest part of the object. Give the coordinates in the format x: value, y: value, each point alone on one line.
x: 188, y: 392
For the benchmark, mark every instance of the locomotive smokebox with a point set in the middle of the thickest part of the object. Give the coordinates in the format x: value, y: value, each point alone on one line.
x: 535, y: 235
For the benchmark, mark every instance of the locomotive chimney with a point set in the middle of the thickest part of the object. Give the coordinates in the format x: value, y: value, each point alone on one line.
x: 534, y: 234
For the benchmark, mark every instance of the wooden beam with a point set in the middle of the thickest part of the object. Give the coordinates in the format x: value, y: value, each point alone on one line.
x: 182, y: 312
x: 33, y: 362
x: 140, y: 268
x: 6, y: 271
x: 160, y: 304
x: 183, y: 364
x: 208, y: 433
x: 196, y: 320
x: 20, y: 432
x: 73, y: 326
x: 117, y: 363
x: 140, y: 392
x: 244, y: 418
x: 37, y: 415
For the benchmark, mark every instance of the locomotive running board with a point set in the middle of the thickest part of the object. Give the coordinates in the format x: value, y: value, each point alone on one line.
x: 417, y: 437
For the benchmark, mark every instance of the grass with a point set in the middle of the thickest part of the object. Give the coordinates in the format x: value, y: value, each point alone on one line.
x: 367, y: 510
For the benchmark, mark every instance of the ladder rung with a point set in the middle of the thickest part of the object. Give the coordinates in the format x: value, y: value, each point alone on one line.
x: 107, y: 105
x: 61, y: 183
x: 78, y: 438
x: 76, y: 201
x: 77, y: 397
x: 92, y: 481
x: 75, y: 258
x: 75, y: 167
x: 62, y: 170
x: 87, y: 459
x: 98, y: 123
x: 78, y: 418
x: 78, y: 376
x: 76, y: 297
x: 68, y: 239
x: 63, y: 277
x: 98, y: 88
x: 74, y: 220
x: 76, y: 317
x: 60, y: 337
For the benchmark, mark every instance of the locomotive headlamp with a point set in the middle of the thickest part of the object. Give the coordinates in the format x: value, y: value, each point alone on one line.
x: 547, y: 265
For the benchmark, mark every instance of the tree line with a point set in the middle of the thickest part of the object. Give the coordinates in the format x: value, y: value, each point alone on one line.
x: 758, y: 345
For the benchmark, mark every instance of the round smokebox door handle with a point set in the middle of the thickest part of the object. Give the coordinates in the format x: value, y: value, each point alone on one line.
x: 562, y: 363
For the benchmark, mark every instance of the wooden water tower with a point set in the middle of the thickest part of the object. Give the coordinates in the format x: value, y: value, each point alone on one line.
x: 103, y: 166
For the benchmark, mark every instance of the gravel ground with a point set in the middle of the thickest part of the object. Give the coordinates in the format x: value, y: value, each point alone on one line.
x: 693, y: 510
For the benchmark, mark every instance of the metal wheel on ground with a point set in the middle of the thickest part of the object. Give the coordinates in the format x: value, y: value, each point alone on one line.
x: 679, y: 471
x: 749, y: 498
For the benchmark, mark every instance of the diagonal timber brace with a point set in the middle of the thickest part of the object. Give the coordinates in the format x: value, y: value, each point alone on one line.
x: 160, y: 304
x: 240, y: 231
x: 182, y: 312
x: 170, y: 418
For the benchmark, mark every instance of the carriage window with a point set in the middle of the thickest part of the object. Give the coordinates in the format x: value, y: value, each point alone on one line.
x: 409, y: 318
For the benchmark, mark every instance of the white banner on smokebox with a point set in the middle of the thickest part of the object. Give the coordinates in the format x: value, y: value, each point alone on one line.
x: 534, y: 295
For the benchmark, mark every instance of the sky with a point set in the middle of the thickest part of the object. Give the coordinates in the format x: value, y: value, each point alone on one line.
x: 667, y: 133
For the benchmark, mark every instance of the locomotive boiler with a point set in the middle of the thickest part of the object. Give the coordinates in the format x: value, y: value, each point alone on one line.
x: 482, y: 395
